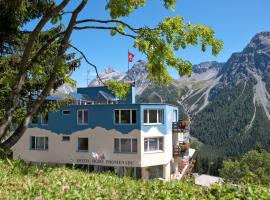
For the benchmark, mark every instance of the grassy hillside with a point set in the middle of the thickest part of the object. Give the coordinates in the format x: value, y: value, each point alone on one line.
x: 20, y: 181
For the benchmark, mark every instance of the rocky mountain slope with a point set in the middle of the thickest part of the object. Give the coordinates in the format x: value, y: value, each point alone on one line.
x: 191, y: 94
x: 238, y: 114
x: 197, y: 87
x: 137, y: 73
x: 229, y: 103
x: 66, y: 89
x: 108, y: 74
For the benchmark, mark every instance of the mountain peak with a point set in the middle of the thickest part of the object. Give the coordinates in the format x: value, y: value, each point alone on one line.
x: 262, y: 36
x: 205, y: 66
x: 108, y: 70
x: 261, y: 41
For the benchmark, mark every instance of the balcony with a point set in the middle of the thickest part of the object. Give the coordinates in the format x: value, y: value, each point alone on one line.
x: 183, y: 137
x: 181, y: 126
x: 181, y: 150
x: 180, y: 131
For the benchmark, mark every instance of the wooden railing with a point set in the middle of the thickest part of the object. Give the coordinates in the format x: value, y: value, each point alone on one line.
x: 180, y: 126
x: 180, y: 150
x: 177, y: 151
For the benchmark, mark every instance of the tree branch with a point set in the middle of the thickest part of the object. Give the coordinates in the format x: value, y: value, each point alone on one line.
x: 105, y: 28
x: 88, y: 62
x: 13, y: 99
x: 49, y: 85
x: 109, y: 21
x: 44, y: 48
x: 65, y: 13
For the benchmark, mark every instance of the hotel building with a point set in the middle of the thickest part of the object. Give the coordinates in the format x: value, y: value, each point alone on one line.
x: 100, y: 131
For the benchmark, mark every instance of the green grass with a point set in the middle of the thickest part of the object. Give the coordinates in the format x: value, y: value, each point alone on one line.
x: 21, y: 181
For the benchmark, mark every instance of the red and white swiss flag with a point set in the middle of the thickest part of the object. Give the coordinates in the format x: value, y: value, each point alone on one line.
x: 130, y: 57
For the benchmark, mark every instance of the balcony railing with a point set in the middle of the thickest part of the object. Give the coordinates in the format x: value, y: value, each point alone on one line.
x: 182, y: 165
x: 184, y: 137
x: 180, y: 127
x: 181, y: 150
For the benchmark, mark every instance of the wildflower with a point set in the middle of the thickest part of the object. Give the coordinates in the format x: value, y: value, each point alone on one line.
x: 45, y: 181
x: 78, y: 185
x: 65, y: 187
x: 39, y: 198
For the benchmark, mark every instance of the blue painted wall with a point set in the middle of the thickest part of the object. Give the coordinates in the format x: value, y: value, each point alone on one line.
x: 103, y: 116
x: 166, y: 126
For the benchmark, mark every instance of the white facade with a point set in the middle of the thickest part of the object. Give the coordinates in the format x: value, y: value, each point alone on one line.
x: 101, y: 142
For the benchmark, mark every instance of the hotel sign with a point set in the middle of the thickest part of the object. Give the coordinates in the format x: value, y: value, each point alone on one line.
x: 101, y: 159
x: 106, y: 162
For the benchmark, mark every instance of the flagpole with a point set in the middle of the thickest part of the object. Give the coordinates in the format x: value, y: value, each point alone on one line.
x: 128, y: 63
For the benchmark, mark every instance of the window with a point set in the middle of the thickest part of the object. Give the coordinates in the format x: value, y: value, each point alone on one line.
x: 45, y: 119
x: 174, y: 115
x: 155, y: 171
x: 153, y: 116
x: 82, y: 117
x: 153, y: 144
x: 82, y: 144
x: 65, y: 112
x: 125, y: 145
x: 39, y: 143
x: 66, y: 138
x: 125, y: 116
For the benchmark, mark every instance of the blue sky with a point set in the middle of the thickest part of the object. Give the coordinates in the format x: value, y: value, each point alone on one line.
x: 234, y: 21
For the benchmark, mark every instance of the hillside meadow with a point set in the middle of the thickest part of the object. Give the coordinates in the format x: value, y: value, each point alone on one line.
x: 21, y: 181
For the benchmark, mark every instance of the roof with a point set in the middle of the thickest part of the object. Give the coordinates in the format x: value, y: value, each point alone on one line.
x: 51, y: 98
x: 79, y: 96
x: 108, y: 96
x: 54, y: 98
x: 129, y: 104
x: 207, y: 180
x: 155, y: 95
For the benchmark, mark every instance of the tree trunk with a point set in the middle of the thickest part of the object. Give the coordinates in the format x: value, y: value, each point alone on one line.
x: 64, y: 44
x: 27, y: 119
x: 13, y: 99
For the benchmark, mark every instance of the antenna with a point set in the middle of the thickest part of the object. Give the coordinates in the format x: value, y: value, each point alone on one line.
x: 87, y: 77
